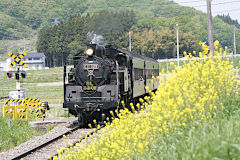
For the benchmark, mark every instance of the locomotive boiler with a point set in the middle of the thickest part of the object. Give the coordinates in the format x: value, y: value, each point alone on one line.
x: 103, y: 76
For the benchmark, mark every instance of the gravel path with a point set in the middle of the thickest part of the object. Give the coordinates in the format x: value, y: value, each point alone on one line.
x: 50, y: 84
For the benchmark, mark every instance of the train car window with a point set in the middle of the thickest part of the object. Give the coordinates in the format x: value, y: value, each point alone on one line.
x: 154, y: 72
x: 149, y: 73
x: 121, y: 61
x: 138, y: 74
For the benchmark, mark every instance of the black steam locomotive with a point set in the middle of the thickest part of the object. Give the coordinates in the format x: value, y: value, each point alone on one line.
x: 102, y: 77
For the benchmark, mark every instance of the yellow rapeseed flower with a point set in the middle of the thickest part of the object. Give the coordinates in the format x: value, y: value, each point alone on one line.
x: 190, y: 95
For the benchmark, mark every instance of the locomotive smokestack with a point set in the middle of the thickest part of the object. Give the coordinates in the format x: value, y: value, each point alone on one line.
x: 94, y: 38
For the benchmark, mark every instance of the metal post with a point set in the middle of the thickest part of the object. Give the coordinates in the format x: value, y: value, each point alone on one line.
x: 24, y: 44
x: 234, y: 40
x: 62, y: 59
x: 234, y: 43
x: 18, y: 85
x: 177, y: 46
x: 9, y: 124
x: 64, y: 80
x: 1, y: 79
x: 210, y: 26
x: 130, y: 42
x: 167, y: 66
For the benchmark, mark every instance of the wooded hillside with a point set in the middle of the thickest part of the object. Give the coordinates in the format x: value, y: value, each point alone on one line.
x: 153, y: 25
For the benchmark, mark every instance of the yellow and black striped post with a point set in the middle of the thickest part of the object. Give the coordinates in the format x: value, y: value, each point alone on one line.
x: 8, y: 111
x: 16, y: 109
x: 40, y: 112
x: 31, y: 102
x: 19, y: 109
x: 21, y: 113
x: 10, y: 107
x: 6, y: 102
x: 36, y: 108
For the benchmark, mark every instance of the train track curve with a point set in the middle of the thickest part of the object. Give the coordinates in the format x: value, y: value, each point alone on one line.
x: 47, y: 148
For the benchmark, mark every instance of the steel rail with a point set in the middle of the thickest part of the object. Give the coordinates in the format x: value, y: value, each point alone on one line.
x: 26, y: 153
x: 74, y: 143
x: 40, y: 146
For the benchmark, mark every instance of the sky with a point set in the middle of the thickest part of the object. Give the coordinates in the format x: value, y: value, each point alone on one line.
x: 218, y: 7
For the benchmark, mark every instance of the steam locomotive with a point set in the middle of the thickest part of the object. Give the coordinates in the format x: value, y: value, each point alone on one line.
x: 102, y: 77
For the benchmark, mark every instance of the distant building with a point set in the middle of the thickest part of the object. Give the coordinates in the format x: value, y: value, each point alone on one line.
x: 34, y: 61
x: 4, y: 66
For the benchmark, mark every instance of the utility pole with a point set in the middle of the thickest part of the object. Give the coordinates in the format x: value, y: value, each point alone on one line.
x: 24, y: 44
x: 1, y: 79
x: 177, y: 46
x: 18, y: 83
x: 130, y: 42
x: 234, y: 40
x: 210, y: 27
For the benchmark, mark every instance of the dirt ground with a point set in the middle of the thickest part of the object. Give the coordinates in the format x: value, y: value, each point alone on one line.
x: 50, y: 84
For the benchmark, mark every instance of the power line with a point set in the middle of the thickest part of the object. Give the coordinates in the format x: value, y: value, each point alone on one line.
x: 164, y: 4
x: 192, y: 1
x: 225, y: 2
x: 232, y: 10
x: 215, y: 4
x: 127, y: 6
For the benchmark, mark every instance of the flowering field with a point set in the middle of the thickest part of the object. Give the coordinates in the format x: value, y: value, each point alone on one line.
x: 194, y: 114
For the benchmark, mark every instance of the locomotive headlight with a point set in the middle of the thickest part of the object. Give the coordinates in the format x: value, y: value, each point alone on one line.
x: 89, y: 51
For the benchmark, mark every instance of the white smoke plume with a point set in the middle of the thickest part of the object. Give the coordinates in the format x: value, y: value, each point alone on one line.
x: 94, y: 38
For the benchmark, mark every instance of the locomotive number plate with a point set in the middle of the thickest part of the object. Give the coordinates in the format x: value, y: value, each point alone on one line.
x: 89, y: 87
x: 90, y: 66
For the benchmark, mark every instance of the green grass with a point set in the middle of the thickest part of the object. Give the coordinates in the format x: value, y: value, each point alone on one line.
x: 57, y: 111
x: 52, y: 94
x: 21, y: 131
x: 44, y: 76
x: 17, y: 134
x: 216, y: 138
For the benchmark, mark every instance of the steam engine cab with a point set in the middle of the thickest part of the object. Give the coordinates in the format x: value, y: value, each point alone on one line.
x: 102, y: 77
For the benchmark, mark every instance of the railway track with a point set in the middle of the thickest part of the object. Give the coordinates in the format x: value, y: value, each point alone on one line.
x: 47, y: 149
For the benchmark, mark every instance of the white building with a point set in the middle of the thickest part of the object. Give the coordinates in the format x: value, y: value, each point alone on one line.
x: 34, y: 61
x: 4, y: 66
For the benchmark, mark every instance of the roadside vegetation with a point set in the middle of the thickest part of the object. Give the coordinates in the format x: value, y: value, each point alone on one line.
x: 14, y: 134
x: 193, y: 115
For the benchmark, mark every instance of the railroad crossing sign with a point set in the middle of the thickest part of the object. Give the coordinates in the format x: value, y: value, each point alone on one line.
x: 17, y: 59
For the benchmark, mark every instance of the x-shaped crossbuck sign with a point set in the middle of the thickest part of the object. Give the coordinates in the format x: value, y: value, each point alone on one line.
x: 17, y: 59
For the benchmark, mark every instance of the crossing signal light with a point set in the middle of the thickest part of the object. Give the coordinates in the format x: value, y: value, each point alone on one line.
x: 9, y: 74
x: 17, y: 76
x: 23, y: 74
